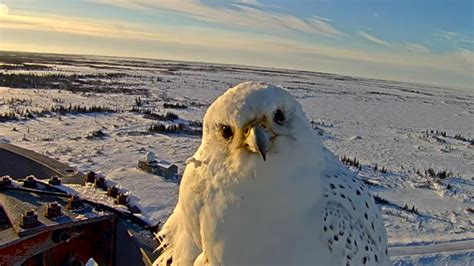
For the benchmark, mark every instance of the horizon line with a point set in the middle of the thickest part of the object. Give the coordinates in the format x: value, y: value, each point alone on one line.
x: 457, y: 87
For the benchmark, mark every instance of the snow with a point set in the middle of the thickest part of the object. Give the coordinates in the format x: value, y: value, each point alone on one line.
x: 379, y: 122
x: 164, y: 164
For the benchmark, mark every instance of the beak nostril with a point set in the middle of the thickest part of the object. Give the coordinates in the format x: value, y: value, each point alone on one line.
x: 257, y: 140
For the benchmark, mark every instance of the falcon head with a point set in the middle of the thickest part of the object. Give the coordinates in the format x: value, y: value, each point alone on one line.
x: 255, y: 119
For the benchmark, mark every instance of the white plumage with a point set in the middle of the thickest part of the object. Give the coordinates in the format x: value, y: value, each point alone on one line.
x: 262, y: 190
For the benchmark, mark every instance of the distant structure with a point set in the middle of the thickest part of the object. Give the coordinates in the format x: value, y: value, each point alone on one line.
x: 161, y: 168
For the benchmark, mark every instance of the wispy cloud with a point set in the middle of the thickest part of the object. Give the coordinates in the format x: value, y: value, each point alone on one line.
x: 250, y: 2
x: 417, y: 48
x: 80, y: 26
x: 226, y: 40
x: 188, y: 35
x: 454, y: 37
x: 234, y: 14
x: 226, y: 45
x: 374, y: 39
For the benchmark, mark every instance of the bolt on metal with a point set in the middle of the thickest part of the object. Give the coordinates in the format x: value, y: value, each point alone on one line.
x: 122, y: 199
x: 90, y: 177
x: 100, y: 183
x: 30, y: 182
x: 112, y: 192
x: 55, y: 180
x: 5, y: 181
x: 74, y: 203
x: 29, y: 219
x: 52, y: 210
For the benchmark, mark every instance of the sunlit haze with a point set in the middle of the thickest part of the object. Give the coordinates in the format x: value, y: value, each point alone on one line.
x: 420, y: 41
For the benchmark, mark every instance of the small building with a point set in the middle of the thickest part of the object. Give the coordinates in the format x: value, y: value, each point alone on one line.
x: 167, y: 169
x: 161, y: 168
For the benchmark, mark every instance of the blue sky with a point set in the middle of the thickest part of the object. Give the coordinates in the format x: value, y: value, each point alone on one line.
x: 410, y: 40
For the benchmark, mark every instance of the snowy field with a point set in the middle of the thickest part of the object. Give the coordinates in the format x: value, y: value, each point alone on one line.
x: 421, y: 136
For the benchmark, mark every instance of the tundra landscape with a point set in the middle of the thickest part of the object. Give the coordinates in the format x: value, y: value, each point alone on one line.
x: 411, y: 144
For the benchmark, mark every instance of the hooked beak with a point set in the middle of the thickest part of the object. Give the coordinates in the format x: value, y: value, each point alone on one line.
x: 258, y: 140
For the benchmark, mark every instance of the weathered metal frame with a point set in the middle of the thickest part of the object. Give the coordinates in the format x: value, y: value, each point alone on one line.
x: 117, y: 236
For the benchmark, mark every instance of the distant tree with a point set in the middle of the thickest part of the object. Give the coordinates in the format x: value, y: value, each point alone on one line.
x: 138, y: 101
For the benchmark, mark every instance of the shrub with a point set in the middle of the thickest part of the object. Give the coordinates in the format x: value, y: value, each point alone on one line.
x: 174, y: 106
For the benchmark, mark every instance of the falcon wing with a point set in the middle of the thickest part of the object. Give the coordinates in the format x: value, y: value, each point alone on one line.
x: 348, y: 240
x: 351, y: 222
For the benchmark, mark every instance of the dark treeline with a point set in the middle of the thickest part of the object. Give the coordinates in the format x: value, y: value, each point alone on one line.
x: 177, y: 128
x: 445, y: 135
x: 29, y: 80
x: 99, y: 83
x: 25, y: 67
x: 80, y: 109
x: 24, y: 114
x: 351, y: 162
x: 430, y: 172
x: 147, y: 113
x: 175, y: 105
x: 355, y: 163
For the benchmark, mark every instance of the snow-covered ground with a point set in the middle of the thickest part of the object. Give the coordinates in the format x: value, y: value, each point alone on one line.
x: 402, y: 127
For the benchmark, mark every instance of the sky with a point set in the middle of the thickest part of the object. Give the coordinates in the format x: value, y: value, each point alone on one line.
x: 424, y: 41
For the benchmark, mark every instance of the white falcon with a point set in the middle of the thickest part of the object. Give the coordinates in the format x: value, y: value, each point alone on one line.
x: 263, y: 190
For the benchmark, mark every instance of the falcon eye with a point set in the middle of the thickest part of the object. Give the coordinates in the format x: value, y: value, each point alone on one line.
x: 226, y: 131
x: 279, y: 117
